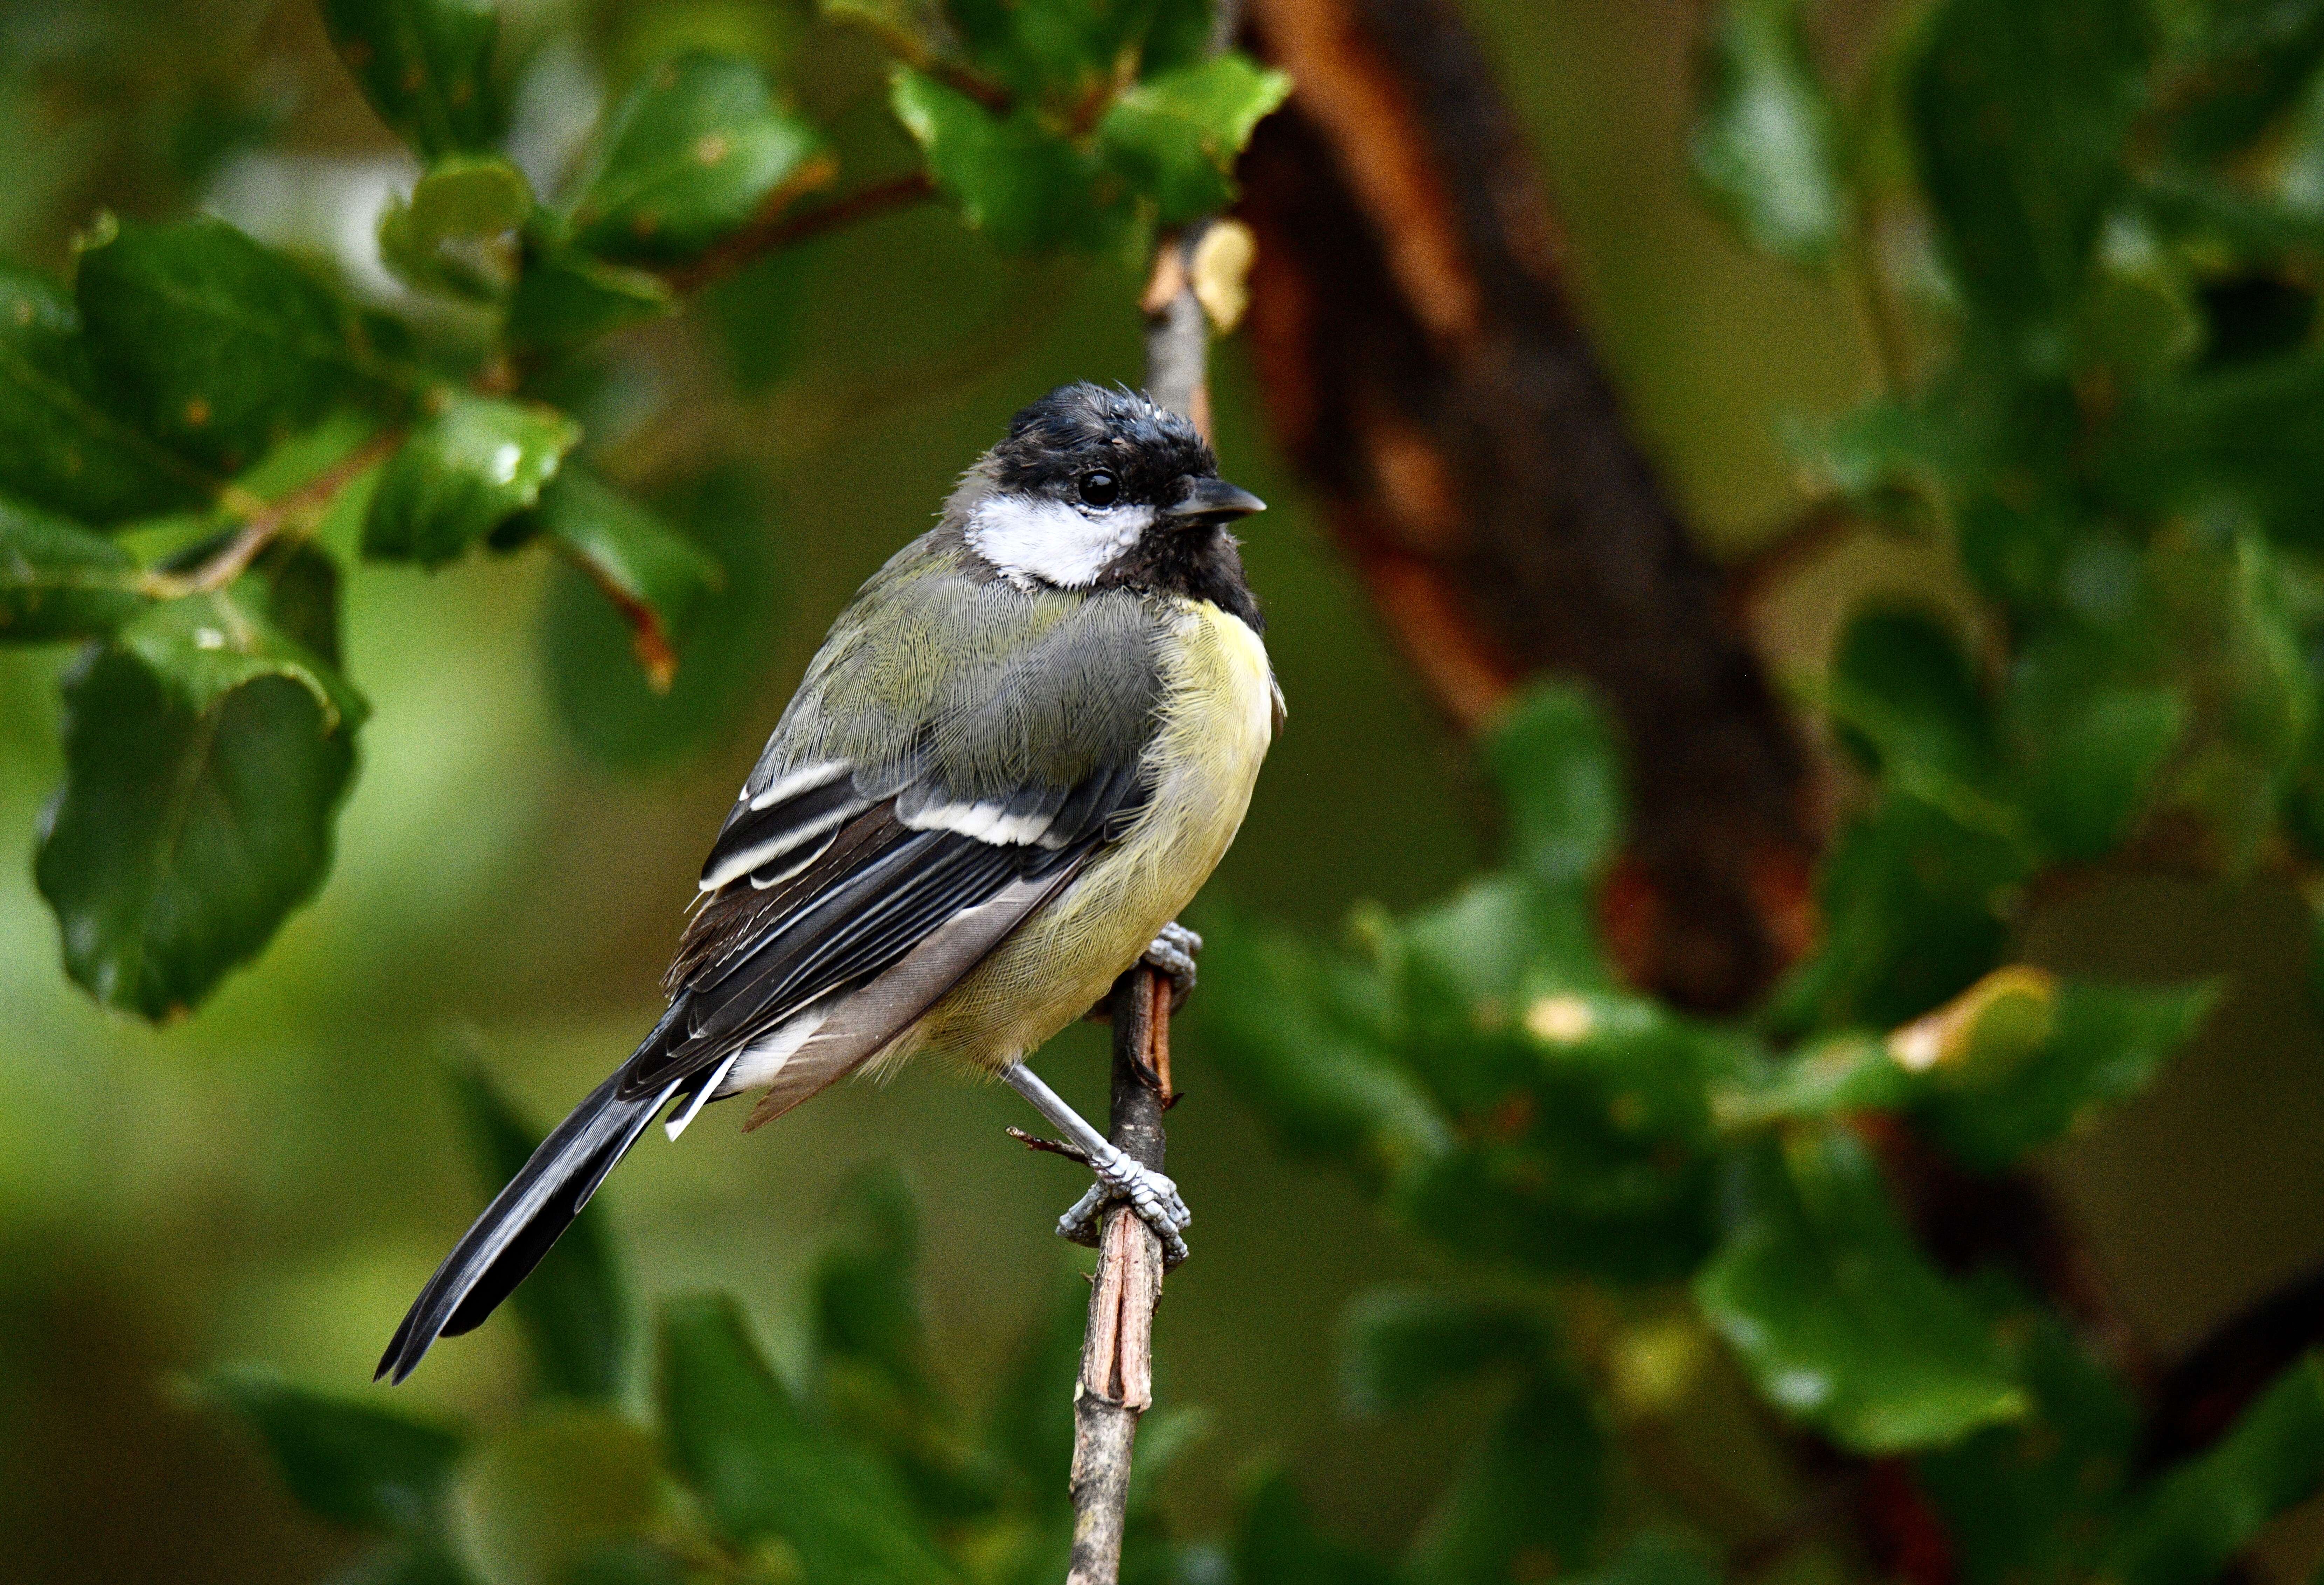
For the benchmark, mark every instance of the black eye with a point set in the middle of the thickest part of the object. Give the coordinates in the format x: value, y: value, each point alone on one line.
x: 1101, y: 488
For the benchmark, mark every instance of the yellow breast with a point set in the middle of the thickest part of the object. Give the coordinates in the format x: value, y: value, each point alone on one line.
x: 1218, y: 715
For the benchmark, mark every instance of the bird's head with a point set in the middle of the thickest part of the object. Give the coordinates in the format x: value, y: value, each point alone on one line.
x: 1093, y: 488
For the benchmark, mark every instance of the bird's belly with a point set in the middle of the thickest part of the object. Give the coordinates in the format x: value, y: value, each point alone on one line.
x: 1217, y: 719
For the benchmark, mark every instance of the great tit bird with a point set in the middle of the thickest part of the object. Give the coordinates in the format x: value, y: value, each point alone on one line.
x: 1021, y: 750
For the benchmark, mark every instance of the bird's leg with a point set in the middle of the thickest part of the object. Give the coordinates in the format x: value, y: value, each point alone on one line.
x: 1154, y: 1197
x: 1171, y: 955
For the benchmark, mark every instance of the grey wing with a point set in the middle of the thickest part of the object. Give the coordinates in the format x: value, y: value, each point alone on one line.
x: 900, y: 795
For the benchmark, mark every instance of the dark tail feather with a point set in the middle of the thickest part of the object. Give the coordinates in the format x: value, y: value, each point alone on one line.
x: 523, y: 1220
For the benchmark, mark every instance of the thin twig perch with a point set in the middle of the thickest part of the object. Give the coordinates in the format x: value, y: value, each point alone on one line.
x: 1116, y: 1384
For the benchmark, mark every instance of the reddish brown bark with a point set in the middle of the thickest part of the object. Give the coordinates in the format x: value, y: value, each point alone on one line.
x: 1421, y: 365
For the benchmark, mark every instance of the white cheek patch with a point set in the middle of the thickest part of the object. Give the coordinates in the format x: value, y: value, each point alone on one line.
x: 1034, y: 539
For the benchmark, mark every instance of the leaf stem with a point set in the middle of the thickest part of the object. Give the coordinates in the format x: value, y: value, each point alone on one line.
x: 265, y: 522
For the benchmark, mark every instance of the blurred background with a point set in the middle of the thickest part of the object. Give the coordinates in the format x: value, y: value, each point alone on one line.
x: 272, y: 1178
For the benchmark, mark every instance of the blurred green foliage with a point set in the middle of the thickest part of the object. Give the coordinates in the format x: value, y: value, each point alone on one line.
x: 864, y: 1472
x: 2087, y: 234
x: 191, y: 368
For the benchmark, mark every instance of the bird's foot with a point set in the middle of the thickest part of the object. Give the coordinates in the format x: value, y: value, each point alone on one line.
x: 1171, y: 955
x: 1154, y: 1197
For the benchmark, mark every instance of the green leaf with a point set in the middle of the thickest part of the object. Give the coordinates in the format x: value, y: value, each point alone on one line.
x: 1011, y: 178
x: 2019, y: 114
x: 2108, y: 1043
x: 1400, y: 1345
x: 565, y: 298
x: 1837, y: 1315
x: 575, y: 1311
x: 2090, y: 742
x: 1561, y: 777
x: 1845, y: 1073
x: 1527, y: 1501
x: 1913, y: 898
x: 61, y: 446
x: 763, y: 1470
x: 656, y: 579
x: 445, y: 235
x: 1177, y: 134
x: 468, y: 196
x: 354, y: 1463
x: 1765, y: 145
x: 1907, y: 698
x: 59, y: 581
x: 479, y: 462
x: 537, y: 1500
x: 206, y: 754
x: 215, y: 345
x: 695, y: 151
x: 2203, y: 1513
x: 1265, y: 1011
x: 1276, y: 1543
x: 2258, y: 59
x: 426, y: 65
x: 2039, y: 1500
x: 607, y: 702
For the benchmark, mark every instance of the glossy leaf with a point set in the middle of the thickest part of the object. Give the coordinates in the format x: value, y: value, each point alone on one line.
x: 656, y: 578
x: 1837, y: 1315
x: 2204, y: 1513
x: 1010, y: 177
x: 2108, y: 1043
x: 1177, y: 136
x: 1561, y: 781
x: 215, y: 345
x: 59, y: 581
x: 2019, y: 115
x: 206, y: 754
x: 763, y: 1470
x: 573, y: 1308
x: 353, y: 1464
x: 62, y: 445
x: 426, y: 65
x: 565, y: 298
x: 1528, y: 1496
x: 447, y: 234
x: 1765, y: 145
x: 697, y: 149
x: 607, y: 702
x: 537, y: 1500
x: 479, y: 462
x: 1400, y: 1345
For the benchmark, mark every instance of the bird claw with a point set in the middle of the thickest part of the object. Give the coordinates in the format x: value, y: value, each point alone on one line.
x: 1172, y: 954
x: 1155, y: 1198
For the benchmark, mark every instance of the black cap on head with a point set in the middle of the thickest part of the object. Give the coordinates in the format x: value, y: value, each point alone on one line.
x: 1075, y: 427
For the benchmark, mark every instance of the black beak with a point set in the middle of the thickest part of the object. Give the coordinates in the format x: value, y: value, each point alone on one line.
x: 1208, y: 500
